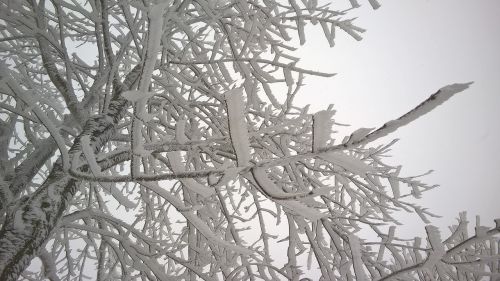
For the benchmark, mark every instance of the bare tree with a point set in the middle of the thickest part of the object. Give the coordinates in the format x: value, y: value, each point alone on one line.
x: 159, y: 141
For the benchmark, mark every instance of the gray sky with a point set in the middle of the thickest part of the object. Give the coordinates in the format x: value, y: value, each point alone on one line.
x: 410, y: 50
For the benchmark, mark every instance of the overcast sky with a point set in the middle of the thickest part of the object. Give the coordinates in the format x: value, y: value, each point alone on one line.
x: 410, y: 50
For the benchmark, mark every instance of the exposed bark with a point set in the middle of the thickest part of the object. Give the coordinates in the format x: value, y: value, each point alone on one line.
x: 31, y: 220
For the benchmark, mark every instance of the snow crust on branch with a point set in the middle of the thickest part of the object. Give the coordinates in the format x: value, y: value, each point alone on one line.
x: 135, y: 96
x: 206, y: 171
x: 238, y: 130
x: 175, y: 160
x: 355, y: 246
x: 191, y: 216
x: 349, y: 163
x: 287, y: 200
x: 423, y: 108
x: 322, y: 128
x: 438, y: 250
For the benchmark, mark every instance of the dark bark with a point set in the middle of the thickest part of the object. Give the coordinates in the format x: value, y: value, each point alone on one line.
x: 30, y: 222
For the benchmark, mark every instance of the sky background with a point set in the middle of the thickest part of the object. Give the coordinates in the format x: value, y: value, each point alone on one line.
x: 410, y: 50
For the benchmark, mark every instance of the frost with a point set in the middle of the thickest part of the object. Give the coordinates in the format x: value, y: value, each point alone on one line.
x: 322, y: 128
x: 359, y: 134
x: 209, y: 235
x: 230, y: 173
x: 357, y: 263
x: 88, y: 152
x: 118, y: 195
x: 423, y: 108
x: 271, y: 189
x: 374, y: 3
x: 180, y: 135
x: 133, y: 104
x: 349, y: 163
x: 435, y: 242
x: 134, y: 96
x: 237, y: 126
x: 299, y: 209
x: 175, y: 160
x: 19, y: 224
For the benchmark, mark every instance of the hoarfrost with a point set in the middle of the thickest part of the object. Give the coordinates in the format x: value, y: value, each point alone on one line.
x: 175, y: 160
x: 322, y: 129
x: 238, y: 130
x: 349, y: 163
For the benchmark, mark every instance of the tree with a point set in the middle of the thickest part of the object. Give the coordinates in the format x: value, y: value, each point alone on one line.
x: 159, y: 140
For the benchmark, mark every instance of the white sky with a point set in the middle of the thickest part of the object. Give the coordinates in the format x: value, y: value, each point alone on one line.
x: 410, y: 50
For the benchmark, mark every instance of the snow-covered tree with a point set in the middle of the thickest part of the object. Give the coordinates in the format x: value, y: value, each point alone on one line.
x: 159, y: 141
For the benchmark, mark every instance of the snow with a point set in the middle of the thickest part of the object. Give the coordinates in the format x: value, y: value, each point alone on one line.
x: 111, y: 188
x: 347, y: 162
x: 357, y: 263
x: 49, y: 265
x: 438, y: 251
x: 237, y: 126
x: 180, y: 128
x: 88, y: 152
x: 278, y: 136
x: 288, y: 77
x: 175, y: 159
x: 5, y: 191
x: 272, y: 190
x: 194, y: 219
x: 19, y: 221
x: 354, y: 3
x: 134, y: 96
x: 423, y: 108
x: 394, y: 182
x: 118, y: 195
x: 359, y: 134
x: 322, y: 128
x: 230, y: 173
x: 27, y: 96
x: 211, y: 236
x: 300, y: 209
x: 155, y: 32
x: 375, y: 4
